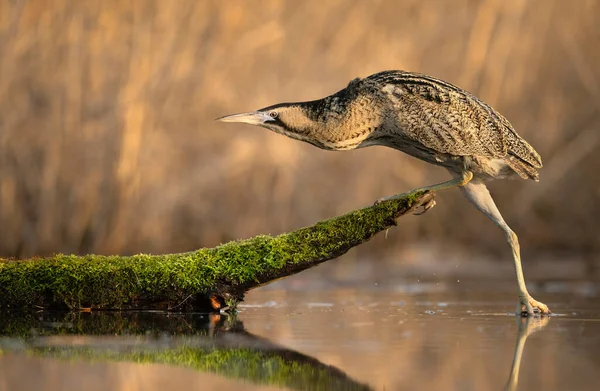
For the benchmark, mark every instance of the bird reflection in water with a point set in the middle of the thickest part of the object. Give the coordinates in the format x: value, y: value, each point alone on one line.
x: 526, y: 327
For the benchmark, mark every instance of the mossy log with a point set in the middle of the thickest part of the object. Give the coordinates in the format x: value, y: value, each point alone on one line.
x: 216, y: 344
x: 209, y: 278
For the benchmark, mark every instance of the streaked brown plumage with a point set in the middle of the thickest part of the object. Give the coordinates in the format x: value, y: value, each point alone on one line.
x: 422, y: 116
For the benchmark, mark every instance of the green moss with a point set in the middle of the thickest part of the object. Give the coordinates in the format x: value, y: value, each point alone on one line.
x: 188, y: 279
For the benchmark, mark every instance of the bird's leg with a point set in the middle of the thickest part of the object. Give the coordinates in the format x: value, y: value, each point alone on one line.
x: 479, y: 195
x: 465, y: 177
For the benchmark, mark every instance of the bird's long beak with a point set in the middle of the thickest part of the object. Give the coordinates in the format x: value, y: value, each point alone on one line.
x: 252, y: 118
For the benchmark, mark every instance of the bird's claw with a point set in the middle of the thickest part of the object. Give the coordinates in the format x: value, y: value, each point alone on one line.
x: 419, y: 210
x: 528, y: 306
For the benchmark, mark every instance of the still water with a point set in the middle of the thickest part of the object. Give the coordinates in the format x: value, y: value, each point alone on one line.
x: 420, y: 336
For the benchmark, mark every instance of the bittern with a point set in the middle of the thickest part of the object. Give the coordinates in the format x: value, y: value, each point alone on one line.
x: 424, y: 117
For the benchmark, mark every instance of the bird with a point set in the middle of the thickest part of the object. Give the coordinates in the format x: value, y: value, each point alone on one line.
x: 427, y: 118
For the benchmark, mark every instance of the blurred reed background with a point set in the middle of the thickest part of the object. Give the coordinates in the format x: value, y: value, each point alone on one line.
x: 108, y: 142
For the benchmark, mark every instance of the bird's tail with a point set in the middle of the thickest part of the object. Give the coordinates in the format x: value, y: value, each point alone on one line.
x: 523, y: 168
x: 523, y: 158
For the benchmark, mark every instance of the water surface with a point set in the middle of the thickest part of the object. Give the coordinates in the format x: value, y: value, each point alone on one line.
x: 419, y: 336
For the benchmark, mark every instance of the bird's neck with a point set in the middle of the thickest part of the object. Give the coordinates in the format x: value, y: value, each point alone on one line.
x: 342, y: 124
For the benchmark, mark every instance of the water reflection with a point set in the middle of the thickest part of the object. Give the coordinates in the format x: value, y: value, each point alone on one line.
x: 526, y: 327
x: 207, y: 343
x: 338, y: 339
x: 459, y: 339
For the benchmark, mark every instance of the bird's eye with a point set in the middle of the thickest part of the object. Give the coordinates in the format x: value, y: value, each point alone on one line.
x: 273, y: 114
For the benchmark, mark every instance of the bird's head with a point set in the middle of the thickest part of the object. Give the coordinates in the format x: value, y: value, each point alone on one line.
x: 290, y: 119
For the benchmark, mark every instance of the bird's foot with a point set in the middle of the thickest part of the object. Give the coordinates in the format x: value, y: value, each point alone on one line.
x: 418, y: 210
x: 528, y: 306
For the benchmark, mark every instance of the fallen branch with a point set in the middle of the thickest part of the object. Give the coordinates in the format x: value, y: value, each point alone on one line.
x: 210, y: 278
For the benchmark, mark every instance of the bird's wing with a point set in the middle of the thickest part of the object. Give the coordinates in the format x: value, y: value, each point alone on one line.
x: 447, y: 121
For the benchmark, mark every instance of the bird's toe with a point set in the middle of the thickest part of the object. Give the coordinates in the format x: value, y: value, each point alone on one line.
x: 528, y: 306
x: 541, y: 307
x: 425, y: 207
